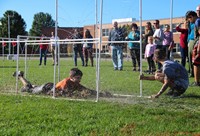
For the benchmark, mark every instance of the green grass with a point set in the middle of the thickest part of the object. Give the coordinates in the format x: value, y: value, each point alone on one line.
x: 34, y: 115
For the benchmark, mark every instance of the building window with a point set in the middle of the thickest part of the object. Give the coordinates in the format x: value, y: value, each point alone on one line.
x: 174, y: 27
x: 105, y: 32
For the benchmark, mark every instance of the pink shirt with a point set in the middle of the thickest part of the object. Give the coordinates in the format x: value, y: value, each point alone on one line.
x: 149, y: 50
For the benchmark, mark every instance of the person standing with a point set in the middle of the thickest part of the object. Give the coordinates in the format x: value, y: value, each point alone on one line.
x: 168, y: 41
x: 191, y: 17
x: 134, y: 48
x: 43, y: 50
x: 88, y: 48
x: 196, y: 61
x: 183, y: 41
x: 116, y: 48
x: 198, y: 10
x: 78, y: 47
x: 158, y: 38
x: 149, y: 51
x: 148, y: 32
x: 197, y: 22
x: 54, y: 48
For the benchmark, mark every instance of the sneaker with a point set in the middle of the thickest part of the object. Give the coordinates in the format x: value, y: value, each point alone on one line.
x: 134, y: 69
x: 19, y: 73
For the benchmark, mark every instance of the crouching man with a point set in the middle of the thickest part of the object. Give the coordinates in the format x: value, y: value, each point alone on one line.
x: 69, y: 87
x: 172, y: 75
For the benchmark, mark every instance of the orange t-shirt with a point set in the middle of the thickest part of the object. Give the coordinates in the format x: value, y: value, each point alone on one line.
x: 68, y: 84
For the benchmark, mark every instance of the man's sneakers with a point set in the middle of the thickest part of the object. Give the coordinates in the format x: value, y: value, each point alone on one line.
x: 19, y: 74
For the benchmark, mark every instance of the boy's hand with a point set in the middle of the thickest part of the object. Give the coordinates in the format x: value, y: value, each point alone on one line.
x: 154, y: 96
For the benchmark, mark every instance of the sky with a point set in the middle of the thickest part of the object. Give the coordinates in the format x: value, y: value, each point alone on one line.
x: 78, y: 13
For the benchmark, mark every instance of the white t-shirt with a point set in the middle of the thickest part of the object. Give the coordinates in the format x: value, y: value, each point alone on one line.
x: 53, y: 43
x: 158, y: 33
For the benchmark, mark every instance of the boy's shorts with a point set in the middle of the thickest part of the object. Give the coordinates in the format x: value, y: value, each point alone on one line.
x: 180, y: 86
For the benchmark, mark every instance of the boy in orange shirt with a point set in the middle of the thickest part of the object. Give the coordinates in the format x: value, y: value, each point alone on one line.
x: 69, y: 87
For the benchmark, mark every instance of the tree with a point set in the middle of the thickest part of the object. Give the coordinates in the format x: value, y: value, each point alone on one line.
x: 17, y: 24
x: 17, y: 27
x: 41, y: 20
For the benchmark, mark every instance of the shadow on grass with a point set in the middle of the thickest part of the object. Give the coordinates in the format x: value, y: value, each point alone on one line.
x: 191, y: 96
x: 7, y: 66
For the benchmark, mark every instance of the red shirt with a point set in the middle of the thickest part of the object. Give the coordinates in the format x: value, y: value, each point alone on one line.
x: 183, y: 36
x: 43, y: 46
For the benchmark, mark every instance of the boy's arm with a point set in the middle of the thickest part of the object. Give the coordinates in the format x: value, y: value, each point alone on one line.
x: 142, y: 77
x: 163, y: 88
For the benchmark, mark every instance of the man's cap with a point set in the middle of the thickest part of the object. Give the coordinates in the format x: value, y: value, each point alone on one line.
x: 156, y: 22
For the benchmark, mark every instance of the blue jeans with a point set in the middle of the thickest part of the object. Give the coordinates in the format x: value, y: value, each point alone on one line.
x: 76, y: 51
x: 184, y: 54
x: 43, y: 52
x: 117, y: 57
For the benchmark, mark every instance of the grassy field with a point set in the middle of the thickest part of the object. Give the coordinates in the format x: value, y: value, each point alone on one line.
x: 23, y: 114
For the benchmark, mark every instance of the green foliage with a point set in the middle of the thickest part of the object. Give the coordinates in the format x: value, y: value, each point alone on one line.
x: 17, y: 24
x: 40, y: 21
x: 23, y: 114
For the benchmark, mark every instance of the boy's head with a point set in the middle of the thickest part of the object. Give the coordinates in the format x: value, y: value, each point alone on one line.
x: 75, y: 75
x: 159, y: 54
x: 191, y: 16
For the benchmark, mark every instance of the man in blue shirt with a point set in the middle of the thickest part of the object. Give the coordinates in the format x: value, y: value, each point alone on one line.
x: 191, y: 17
x: 172, y: 75
x: 117, y: 52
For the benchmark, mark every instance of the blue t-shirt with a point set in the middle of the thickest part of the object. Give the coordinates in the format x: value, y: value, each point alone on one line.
x: 134, y: 37
x: 176, y: 72
x: 191, y: 31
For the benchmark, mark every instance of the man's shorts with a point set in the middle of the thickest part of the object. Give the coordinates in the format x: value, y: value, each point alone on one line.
x: 180, y: 86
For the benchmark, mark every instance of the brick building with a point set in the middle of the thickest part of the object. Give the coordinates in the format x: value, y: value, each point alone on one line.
x: 107, y: 27
x: 63, y: 33
x: 67, y: 32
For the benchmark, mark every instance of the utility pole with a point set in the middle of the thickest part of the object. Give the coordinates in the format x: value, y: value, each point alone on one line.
x: 9, y: 34
x: 9, y: 44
